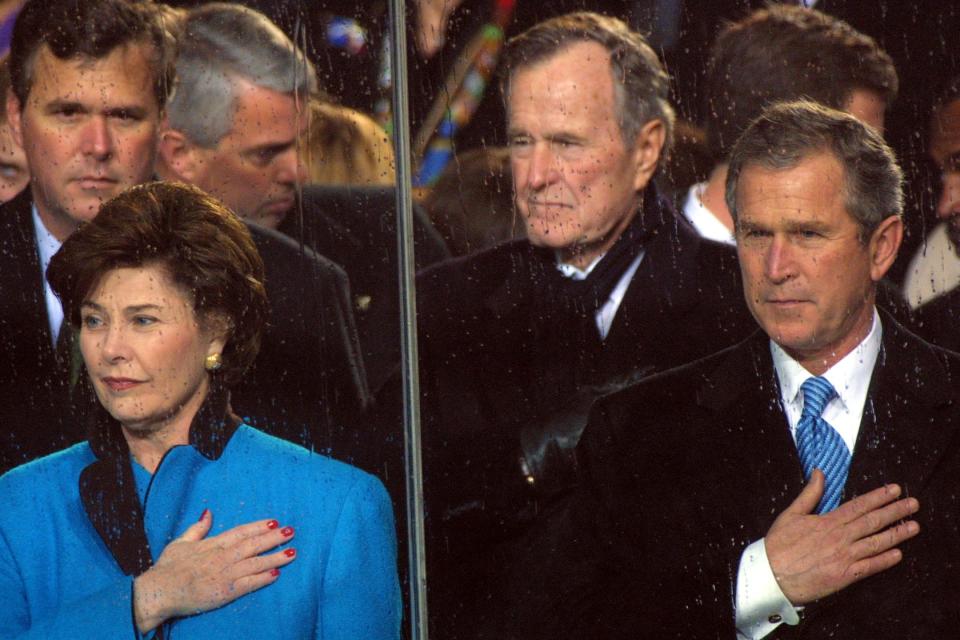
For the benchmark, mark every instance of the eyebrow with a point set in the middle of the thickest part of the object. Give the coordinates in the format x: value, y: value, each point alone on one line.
x: 135, y: 111
x: 272, y: 147
x: 805, y: 225
x: 556, y: 136
x: 746, y: 226
x: 57, y: 104
x: 134, y: 308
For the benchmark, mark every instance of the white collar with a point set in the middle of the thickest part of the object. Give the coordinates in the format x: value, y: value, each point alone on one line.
x: 47, y: 243
x: 702, y: 219
x: 850, y: 377
x: 576, y: 273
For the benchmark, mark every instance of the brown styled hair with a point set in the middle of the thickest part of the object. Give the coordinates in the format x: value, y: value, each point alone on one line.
x: 89, y: 29
x: 202, y: 246
x: 787, y: 53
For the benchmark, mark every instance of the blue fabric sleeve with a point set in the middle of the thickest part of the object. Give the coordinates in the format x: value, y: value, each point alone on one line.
x: 107, y: 613
x: 361, y: 591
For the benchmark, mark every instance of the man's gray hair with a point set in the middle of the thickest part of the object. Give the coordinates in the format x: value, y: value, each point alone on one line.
x: 221, y: 43
x: 640, y: 83
x: 789, y: 132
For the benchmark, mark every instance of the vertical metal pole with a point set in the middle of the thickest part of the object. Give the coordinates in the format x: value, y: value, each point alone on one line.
x: 408, y: 324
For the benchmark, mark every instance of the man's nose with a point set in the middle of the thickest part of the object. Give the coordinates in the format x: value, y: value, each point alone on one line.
x: 289, y: 167
x: 97, y: 138
x: 779, y: 263
x: 542, y: 167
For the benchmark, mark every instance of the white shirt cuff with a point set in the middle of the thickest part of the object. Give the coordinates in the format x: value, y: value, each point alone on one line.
x: 761, y: 606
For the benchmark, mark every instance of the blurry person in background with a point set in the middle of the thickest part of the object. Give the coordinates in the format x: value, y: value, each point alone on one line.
x: 347, y: 147
x: 238, y: 128
x: 166, y: 290
x: 471, y: 204
x: 13, y: 163
x: 781, y: 53
x: 239, y: 114
x: 948, y: 206
x: 934, y: 270
x: 938, y: 317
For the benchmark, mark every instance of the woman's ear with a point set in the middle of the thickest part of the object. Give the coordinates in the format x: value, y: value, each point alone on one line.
x: 218, y: 328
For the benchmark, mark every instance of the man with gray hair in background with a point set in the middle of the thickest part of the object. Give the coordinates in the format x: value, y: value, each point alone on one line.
x: 235, y: 125
x: 238, y: 111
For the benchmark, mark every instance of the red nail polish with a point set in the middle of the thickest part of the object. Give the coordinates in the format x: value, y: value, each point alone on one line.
x: 274, y: 572
x: 203, y: 515
x: 272, y: 524
x: 289, y: 552
x: 287, y: 531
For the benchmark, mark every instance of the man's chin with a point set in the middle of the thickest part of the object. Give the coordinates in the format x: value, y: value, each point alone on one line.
x: 84, y: 209
x: 953, y: 232
x: 271, y: 215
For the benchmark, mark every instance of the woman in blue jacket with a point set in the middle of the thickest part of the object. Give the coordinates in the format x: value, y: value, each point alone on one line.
x: 176, y: 519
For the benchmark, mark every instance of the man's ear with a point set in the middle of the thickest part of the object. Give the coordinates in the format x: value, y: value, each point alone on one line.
x: 884, y: 245
x: 647, y: 149
x: 14, y: 117
x: 179, y: 157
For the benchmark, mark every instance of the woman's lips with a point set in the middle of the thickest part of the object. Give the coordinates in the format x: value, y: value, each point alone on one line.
x: 120, y: 384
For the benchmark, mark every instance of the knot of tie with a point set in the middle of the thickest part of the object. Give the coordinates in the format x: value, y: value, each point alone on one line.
x: 817, y: 392
x: 819, y: 444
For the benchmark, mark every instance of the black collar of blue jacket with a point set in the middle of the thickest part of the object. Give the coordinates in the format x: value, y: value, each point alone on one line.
x: 107, y: 487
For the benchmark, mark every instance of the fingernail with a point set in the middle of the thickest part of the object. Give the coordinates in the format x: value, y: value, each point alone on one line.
x: 289, y: 552
x: 272, y: 524
x: 287, y: 531
x: 274, y: 572
x: 203, y: 515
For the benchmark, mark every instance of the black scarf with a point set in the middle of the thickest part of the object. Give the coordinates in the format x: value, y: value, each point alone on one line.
x: 107, y: 486
x: 571, y: 305
x: 565, y: 342
x: 587, y: 296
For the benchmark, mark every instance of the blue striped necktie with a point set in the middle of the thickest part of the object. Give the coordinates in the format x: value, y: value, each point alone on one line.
x: 819, y: 444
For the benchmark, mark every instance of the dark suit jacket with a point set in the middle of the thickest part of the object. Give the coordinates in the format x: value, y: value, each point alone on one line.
x: 307, y: 384
x: 356, y: 227
x: 503, y: 406
x: 682, y: 471
x: 36, y: 408
x: 939, y: 320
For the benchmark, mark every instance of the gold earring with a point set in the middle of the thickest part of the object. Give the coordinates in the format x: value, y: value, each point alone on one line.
x: 213, y: 362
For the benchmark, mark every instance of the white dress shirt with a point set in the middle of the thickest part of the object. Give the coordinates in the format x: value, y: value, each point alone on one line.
x: 703, y: 220
x: 47, y: 245
x: 605, y: 314
x: 760, y: 604
x: 934, y: 269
